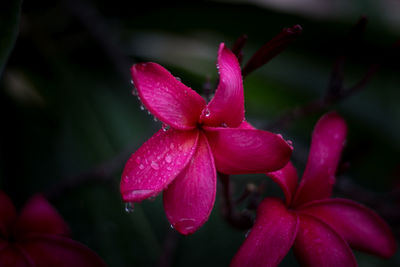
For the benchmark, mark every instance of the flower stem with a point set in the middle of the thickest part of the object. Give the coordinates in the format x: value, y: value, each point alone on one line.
x: 237, y: 220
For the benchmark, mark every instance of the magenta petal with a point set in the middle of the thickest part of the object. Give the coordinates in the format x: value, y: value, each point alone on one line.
x: 362, y: 228
x: 287, y: 179
x: 189, y: 199
x: 7, y: 213
x: 38, y: 216
x: 238, y: 151
x: 156, y: 163
x: 227, y: 105
x: 14, y: 257
x: 326, y: 146
x: 319, y: 245
x: 270, y: 238
x: 164, y: 96
x: 52, y: 250
x: 246, y: 125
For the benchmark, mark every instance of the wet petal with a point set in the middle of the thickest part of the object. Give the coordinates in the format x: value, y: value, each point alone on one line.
x: 51, y: 250
x: 156, y: 163
x: 238, y: 151
x: 270, y: 238
x: 319, y: 245
x: 287, y: 179
x: 227, y: 105
x: 7, y: 213
x: 38, y: 216
x: 326, y: 146
x: 362, y: 228
x: 189, y: 199
x: 165, y: 97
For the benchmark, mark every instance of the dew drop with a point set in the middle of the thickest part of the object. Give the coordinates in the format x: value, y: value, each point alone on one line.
x: 165, y: 127
x: 186, y: 224
x: 141, y: 166
x: 207, y: 113
x: 290, y: 143
x: 172, y: 227
x: 154, y: 165
x: 179, y: 79
x: 141, y: 107
x: 247, y: 233
x: 129, y: 207
x: 155, y: 119
x: 168, y: 159
x: 224, y: 125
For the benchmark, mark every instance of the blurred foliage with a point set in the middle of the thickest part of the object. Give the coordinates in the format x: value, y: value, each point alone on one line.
x: 66, y: 108
x: 9, y: 17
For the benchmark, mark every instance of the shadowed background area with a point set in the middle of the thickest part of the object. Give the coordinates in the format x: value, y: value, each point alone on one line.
x: 70, y: 122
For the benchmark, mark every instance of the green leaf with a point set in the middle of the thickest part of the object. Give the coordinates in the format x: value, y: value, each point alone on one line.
x: 10, y: 12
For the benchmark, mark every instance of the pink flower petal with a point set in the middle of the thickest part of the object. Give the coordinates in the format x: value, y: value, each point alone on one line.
x: 14, y: 257
x: 227, y: 106
x: 52, y: 250
x: 7, y: 214
x: 164, y: 96
x: 270, y: 238
x: 38, y: 216
x: 238, y: 151
x: 246, y: 125
x: 326, y: 146
x: 287, y: 179
x: 319, y: 245
x: 189, y: 199
x: 156, y: 163
x: 362, y: 228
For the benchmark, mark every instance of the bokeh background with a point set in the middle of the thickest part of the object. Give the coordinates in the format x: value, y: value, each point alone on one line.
x: 69, y: 121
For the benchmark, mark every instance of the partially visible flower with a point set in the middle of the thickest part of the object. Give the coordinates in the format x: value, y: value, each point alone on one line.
x: 320, y: 229
x: 196, y: 140
x: 38, y: 236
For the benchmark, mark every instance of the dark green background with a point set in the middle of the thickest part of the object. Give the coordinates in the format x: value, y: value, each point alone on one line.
x: 68, y: 116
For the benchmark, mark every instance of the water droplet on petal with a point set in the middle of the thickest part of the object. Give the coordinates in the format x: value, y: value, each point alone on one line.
x: 179, y: 79
x: 129, y: 207
x: 224, y: 125
x: 172, y: 227
x: 141, y: 166
x: 168, y: 159
x: 141, y: 107
x: 207, y: 113
x: 154, y: 165
x: 155, y: 119
x: 186, y: 225
x: 165, y: 127
x: 290, y: 143
x: 247, y: 233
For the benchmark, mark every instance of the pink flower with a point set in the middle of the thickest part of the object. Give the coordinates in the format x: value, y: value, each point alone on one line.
x: 320, y: 229
x: 202, y: 138
x: 39, y: 237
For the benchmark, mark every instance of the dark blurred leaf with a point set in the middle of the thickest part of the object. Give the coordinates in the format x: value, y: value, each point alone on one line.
x: 9, y: 24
